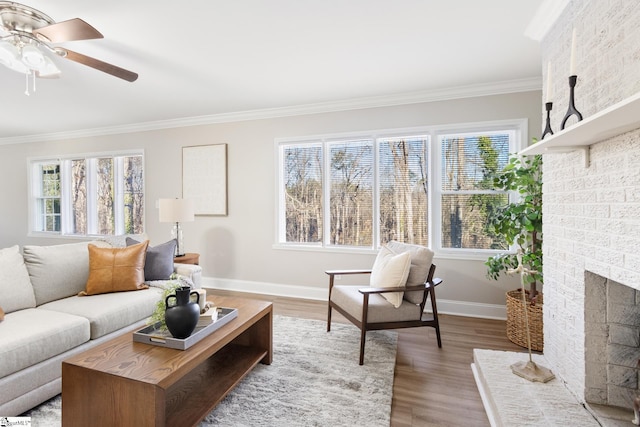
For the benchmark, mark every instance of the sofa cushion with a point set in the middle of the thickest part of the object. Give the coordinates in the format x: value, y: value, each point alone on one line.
x: 109, y: 312
x: 158, y: 264
x: 32, y: 335
x: 16, y: 291
x: 390, y: 270
x: 421, y: 259
x: 116, y: 269
x: 58, y: 271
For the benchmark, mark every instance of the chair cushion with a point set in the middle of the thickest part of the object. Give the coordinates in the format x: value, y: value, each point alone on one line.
x: 351, y: 300
x: 158, y: 264
x: 421, y: 260
x: 58, y: 271
x: 390, y: 270
x: 16, y: 291
x: 116, y: 269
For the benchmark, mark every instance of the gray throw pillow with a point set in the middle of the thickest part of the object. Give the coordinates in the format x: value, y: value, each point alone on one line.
x: 159, y: 262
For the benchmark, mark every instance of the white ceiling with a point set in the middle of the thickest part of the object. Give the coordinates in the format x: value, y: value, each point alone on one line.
x: 213, y: 57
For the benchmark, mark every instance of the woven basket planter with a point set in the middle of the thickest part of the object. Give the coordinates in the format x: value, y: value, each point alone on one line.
x: 516, y: 326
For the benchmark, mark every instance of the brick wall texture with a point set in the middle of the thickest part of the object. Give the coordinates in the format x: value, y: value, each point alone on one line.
x: 591, y: 214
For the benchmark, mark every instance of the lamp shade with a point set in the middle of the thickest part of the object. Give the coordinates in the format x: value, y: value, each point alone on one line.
x: 176, y: 210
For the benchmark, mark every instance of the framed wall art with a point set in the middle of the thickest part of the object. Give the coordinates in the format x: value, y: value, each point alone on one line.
x: 204, y: 178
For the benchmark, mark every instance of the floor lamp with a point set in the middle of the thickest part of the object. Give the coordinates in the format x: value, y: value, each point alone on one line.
x: 177, y: 211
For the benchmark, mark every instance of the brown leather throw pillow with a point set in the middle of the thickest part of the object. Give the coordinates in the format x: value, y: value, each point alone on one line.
x: 1, y: 314
x: 116, y: 269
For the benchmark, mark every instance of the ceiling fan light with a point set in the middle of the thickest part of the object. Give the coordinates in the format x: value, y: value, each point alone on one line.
x: 33, y: 58
x: 8, y: 53
x: 49, y: 69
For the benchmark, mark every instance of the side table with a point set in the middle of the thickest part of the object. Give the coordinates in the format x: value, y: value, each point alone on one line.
x: 188, y: 258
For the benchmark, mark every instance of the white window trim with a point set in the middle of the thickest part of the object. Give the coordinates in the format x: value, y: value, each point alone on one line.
x: 65, y: 198
x: 521, y: 131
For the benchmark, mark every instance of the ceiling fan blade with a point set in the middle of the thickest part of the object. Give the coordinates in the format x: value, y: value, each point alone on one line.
x: 73, y: 29
x: 116, y: 71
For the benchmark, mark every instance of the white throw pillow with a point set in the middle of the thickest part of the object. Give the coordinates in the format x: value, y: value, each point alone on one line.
x: 16, y: 292
x: 390, y: 270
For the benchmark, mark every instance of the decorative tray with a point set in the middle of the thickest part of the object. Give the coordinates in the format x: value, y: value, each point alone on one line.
x: 153, y: 335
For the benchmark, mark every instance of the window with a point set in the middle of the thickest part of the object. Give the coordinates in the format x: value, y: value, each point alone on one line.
x: 469, y: 163
x: 375, y: 189
x: 431, y: 186
x: 88, y: 195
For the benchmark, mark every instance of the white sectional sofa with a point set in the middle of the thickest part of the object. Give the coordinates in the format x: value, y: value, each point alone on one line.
x: 46, y: 321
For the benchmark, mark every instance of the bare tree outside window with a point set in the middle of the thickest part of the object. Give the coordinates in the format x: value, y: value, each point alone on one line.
x: 377, y: 189
x: 351, y: 190
x: 104, y: 199
x: 102, y: 195
x: 403, y: 190
x: 79, y: 196
x: 133, y: 195
x: 303, y: 193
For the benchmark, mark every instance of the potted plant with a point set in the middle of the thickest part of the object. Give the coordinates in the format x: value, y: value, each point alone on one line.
x: 520, y: 223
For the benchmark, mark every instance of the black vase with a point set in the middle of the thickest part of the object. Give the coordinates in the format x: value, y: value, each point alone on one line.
x: 182, y: 317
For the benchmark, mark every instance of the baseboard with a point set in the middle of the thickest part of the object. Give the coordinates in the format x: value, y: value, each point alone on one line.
x: 456, y: 308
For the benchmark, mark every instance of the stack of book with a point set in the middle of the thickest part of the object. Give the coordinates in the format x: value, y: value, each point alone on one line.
x: 208, y: 317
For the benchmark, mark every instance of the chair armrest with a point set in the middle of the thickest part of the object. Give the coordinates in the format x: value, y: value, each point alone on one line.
x: 345, y: 272
x: 435, y: 283
x: 386, y: 290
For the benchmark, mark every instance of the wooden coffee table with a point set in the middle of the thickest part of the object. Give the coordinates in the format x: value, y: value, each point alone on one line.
x: 127, y: 383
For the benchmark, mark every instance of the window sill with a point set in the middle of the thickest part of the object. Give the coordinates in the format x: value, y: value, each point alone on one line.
x: 463, y: 255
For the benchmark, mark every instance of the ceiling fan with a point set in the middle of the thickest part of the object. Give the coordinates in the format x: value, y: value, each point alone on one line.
x: 26, y: 34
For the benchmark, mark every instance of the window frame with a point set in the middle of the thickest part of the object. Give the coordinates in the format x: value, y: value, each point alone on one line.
x: 66, y: 215
x: 519, y: 127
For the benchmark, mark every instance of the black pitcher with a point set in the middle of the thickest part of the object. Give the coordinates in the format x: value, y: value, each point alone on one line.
x: 182, y: 317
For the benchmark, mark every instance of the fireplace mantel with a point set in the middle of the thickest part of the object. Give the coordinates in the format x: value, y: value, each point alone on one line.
x: 612, y: 121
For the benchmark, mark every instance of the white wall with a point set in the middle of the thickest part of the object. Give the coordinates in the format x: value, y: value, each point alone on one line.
x: 236, y: 250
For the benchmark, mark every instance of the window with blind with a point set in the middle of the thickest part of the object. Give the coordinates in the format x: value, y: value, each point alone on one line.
x: 468, y: 163
x: 432, y: 187
x: 88, y: 195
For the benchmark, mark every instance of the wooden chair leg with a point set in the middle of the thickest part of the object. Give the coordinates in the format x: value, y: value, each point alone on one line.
x: 363, y: 326
x: 329, y: 303
x: 363, y: 338
x: 432, y: 296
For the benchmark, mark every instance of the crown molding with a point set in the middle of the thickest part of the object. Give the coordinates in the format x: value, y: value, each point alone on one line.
x: 469, y: 91
x: 546, y: 15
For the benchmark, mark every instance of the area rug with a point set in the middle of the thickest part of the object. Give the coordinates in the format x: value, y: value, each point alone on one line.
x: 314, y: 380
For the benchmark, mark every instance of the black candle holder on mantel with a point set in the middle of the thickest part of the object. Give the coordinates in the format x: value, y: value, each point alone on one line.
x: 572, y: 110
x: 547, y: 129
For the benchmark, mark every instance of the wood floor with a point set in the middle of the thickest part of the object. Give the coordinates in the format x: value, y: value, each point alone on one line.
x: 432, y: 386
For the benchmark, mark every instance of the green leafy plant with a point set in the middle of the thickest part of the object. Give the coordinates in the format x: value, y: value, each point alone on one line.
x: 520, y: 222
x: 174, y: 283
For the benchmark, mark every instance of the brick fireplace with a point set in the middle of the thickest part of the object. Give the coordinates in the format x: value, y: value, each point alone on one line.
x: 592, y: 212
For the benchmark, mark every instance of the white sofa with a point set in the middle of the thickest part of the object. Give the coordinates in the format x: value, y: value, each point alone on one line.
x: 46, y: 321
